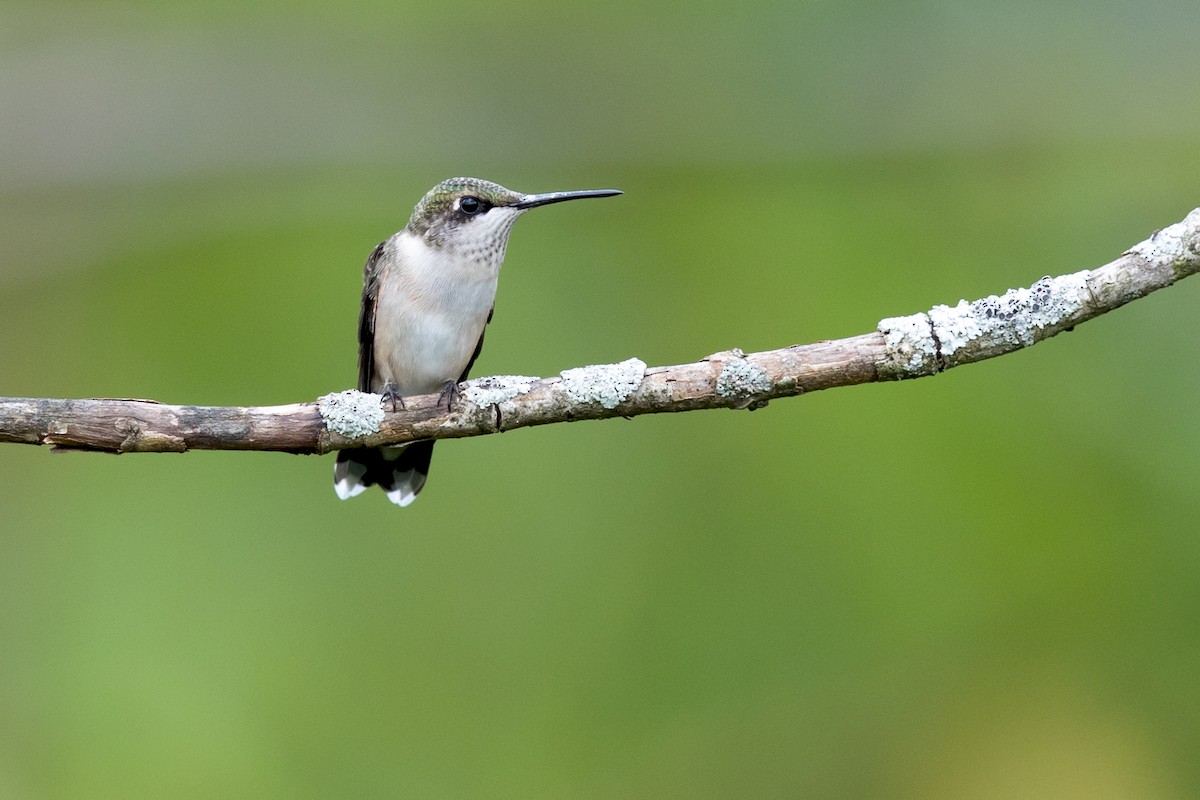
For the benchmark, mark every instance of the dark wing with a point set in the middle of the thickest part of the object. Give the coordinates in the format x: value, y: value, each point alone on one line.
x: 366, y: 318
x: 478, y: 347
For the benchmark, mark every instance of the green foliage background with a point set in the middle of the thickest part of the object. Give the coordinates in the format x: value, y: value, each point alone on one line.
x: 974, y: 586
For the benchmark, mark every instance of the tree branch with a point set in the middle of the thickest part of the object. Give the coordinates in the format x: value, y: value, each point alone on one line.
x: 901, y: 347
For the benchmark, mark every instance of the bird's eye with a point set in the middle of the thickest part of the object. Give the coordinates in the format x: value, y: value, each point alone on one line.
x: 472, y: 206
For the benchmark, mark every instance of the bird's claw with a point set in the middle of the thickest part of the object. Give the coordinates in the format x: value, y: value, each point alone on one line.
x: 449, y: 394
x: 391, y: 394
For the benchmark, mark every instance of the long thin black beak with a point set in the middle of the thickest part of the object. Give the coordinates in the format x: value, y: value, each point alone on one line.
x: 534, y: 200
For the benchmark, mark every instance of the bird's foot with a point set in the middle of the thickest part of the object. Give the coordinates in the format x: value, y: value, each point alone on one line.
x: 391, y: 394
x: 449, y: 394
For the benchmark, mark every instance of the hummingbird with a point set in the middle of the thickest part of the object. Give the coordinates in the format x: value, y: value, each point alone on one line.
x: 429, y: 291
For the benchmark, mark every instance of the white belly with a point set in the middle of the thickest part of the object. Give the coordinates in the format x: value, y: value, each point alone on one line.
x: 428, y: 320
x: 420, y: 352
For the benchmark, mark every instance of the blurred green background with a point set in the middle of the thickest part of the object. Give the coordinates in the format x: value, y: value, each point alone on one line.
x: 981, y: 585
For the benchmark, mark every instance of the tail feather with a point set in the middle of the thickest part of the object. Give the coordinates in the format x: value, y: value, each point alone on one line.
x: 399, y: 471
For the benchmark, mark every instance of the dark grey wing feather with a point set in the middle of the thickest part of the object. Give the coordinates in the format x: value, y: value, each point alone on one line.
x: 366, y: 319
x: 478, y: 347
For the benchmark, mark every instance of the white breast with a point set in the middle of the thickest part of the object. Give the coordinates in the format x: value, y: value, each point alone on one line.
x: 431, y: 311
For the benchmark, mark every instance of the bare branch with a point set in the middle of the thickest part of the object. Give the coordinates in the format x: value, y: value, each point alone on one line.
x: 902, y: 347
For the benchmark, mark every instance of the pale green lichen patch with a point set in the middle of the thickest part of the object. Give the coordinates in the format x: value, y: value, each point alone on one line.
x: 496, y: 389
x: 740, y: 379
x: 606, y: 384
x: 351, y: 413
x: 1177, y: 245
x: 911, y: 349
x: 1015, y: 319
x: 922, y: 344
